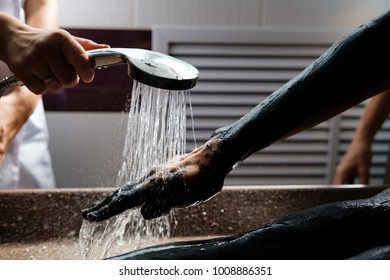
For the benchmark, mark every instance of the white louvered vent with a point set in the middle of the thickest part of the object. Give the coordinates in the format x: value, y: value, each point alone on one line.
x: 238, y: 69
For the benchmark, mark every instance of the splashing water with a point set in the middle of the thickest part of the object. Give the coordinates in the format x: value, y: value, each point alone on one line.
x: 156, y: 132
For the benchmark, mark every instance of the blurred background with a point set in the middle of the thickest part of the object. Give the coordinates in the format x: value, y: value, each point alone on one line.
x: 243, y: 49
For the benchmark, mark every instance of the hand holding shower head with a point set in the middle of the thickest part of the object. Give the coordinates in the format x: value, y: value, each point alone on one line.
x: 148, y: 67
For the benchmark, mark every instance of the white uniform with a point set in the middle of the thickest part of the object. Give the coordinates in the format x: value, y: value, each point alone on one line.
x: 27, y: 163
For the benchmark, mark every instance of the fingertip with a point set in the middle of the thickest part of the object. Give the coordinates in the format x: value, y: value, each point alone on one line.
x: 89, y: 44
x: 88, y: 78
x: 92, y: 217
x: 100, y: 46
x: 84, y: 212
x: 85, y: 69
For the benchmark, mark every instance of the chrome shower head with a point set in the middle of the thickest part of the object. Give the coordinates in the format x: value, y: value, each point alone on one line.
x: 148, y: 67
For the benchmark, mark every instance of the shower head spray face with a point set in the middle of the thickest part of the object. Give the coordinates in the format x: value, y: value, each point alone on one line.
x: 148, y: 67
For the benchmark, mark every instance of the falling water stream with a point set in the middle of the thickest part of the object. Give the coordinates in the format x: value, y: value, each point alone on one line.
x: 156, y: 132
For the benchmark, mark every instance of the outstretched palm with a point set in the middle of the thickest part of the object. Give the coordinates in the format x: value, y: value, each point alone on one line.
x: 185, y: 180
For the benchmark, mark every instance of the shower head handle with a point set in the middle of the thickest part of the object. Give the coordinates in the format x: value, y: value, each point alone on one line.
x: 103, y: 59
x: 151, y: 68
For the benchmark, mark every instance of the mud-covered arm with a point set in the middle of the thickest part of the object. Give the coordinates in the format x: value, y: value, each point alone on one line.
x: 353, y: 69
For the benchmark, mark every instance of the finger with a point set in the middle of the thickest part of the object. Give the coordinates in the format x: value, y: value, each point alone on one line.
x: 63, y: 72
x: 39, y: 77
x: 78, y: 58
x: 96, y: 206
x: 342, y: 178
x: 363, y: 177
x: 49, y: 81
x: 106, y: 212
x: 88, y: 44
x: 129, y: 196
x: 34, y: 84
x: 52, y: 83
x: 344, y: 181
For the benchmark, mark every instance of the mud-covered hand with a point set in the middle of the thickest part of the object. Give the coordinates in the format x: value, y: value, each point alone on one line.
x: 185, y: 180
